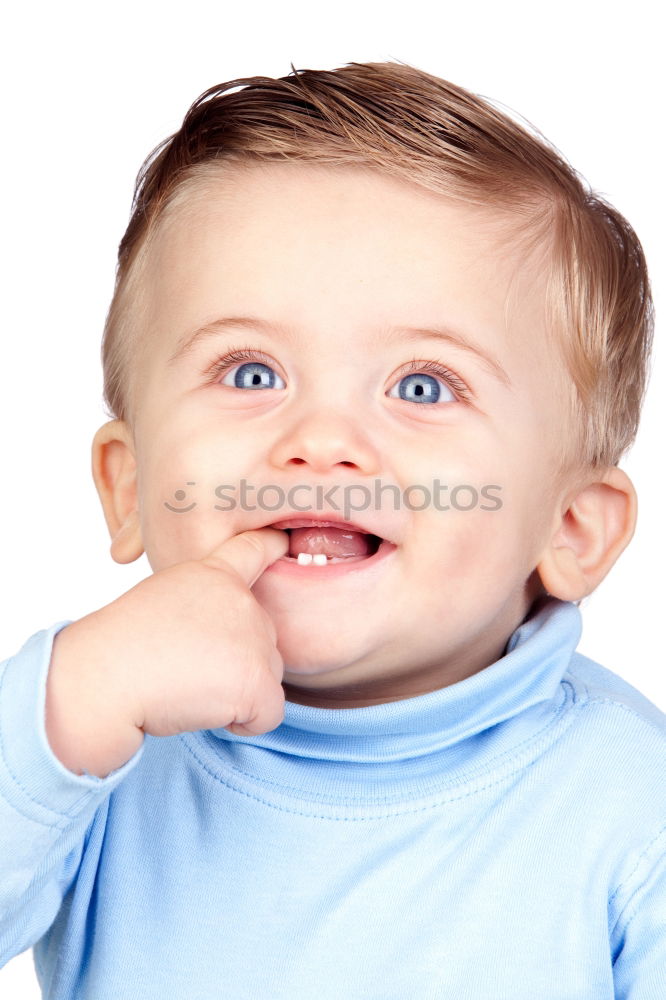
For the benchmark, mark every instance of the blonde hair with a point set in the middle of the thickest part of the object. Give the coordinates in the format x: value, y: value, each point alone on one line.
x: 418, y: 127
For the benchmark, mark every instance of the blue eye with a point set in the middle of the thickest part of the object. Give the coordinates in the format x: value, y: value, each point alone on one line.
x: 254, y: 375
x: 249, y: 374
x: 422, y: 388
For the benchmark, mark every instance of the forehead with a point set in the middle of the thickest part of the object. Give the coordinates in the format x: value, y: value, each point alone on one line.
x: 340, y: 204
x: 355, y: 239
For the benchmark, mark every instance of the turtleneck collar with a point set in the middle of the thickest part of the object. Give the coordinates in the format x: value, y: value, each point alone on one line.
x: 453, y: 724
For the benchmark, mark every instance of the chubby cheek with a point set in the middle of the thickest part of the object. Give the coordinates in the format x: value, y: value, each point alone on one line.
x: 182, y: 516
x: 173, y: 536
x: 470, y: 558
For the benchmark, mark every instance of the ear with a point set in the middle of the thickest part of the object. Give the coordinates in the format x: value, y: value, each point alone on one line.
x: 595, y: 527
x: 114, y: 472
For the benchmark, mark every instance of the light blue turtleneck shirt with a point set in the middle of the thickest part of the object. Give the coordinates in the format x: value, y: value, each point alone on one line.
x: 503, y: 838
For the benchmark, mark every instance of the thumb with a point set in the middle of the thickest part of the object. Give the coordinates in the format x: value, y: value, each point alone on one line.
x: 250, y: 552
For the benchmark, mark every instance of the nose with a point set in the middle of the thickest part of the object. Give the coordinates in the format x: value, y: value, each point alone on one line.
x: 325, y: 440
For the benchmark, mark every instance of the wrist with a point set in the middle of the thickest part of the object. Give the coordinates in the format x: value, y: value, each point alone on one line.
x: 84, y: 725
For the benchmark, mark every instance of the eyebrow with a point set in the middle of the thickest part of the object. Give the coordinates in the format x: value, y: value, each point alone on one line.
x: 405, y: 333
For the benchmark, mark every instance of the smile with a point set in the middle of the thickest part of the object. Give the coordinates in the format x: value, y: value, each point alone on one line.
x: 321, y: 566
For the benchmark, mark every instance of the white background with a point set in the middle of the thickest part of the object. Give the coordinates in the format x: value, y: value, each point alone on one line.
x: 87, y: 91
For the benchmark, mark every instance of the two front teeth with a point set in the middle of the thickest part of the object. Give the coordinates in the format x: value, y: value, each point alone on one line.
x: 319, y: 559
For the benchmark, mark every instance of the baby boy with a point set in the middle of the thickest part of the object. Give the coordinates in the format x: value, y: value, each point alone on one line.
x: 374, y: 353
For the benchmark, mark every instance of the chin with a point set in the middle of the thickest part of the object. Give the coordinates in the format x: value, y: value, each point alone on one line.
x: 319, y: 655
x: 304, y: 664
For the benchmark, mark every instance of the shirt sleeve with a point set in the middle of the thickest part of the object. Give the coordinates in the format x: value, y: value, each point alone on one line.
x: 45, y: 809
x: 639, y: 935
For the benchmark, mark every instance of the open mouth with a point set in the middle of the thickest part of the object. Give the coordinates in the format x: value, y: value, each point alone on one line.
x: 328, y: 545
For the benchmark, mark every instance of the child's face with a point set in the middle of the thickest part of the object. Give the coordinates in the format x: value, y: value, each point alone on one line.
x: 344, y: 259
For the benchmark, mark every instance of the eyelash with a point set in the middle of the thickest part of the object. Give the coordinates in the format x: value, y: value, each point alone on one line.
x: 243, y: 355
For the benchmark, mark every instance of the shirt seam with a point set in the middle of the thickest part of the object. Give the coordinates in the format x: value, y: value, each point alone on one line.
x: 628, y: 879
x: 603, y: 700
x: 343, y: 819
x: 470, y: 775
x: 594, y: 699
x: 559, y: 712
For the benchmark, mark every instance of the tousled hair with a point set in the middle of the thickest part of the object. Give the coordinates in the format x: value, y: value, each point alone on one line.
x: 412, y: 125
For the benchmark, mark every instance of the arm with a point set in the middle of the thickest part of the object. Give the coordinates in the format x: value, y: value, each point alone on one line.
x: 45, y: 809
x: 187, y: 648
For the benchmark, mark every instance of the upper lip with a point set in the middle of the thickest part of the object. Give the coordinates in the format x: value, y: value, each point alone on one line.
x: 329, y: 519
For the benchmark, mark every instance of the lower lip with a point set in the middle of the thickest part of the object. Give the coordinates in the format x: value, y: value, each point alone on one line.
x: 287, y: 567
